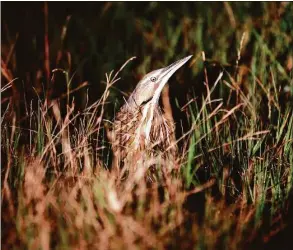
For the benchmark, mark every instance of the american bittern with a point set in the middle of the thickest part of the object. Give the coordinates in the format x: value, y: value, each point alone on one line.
x: 141, y: 132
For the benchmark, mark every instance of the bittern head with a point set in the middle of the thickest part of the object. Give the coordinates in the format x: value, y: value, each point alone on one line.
x: 151, y: 85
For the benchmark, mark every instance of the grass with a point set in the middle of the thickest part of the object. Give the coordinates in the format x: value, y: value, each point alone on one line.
x: 234, y: 127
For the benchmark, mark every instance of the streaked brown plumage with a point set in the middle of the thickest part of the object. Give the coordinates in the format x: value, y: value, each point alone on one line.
x: 141, y: 132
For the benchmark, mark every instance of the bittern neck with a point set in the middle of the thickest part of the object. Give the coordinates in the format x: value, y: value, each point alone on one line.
x: 150, y: 112
x: 133, y: 105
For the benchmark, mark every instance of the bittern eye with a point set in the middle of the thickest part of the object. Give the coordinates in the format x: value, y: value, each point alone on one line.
x: 153, y: 79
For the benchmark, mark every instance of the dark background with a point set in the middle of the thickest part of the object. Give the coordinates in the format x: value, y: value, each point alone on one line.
x: 101, y: 36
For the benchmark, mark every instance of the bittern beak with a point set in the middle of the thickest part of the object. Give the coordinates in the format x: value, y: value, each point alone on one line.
x: 165, y: 75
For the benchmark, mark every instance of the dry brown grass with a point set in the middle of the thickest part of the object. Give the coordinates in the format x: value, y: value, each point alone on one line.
x: 57, y: 192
